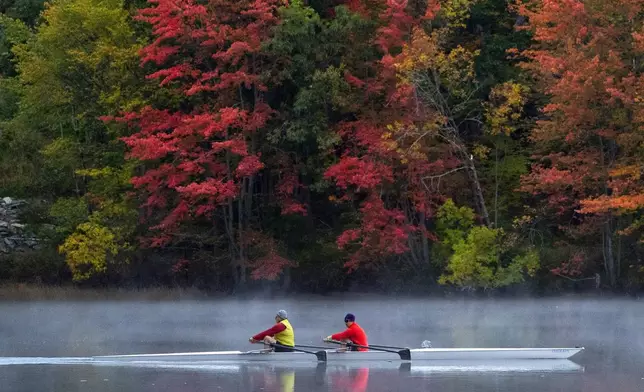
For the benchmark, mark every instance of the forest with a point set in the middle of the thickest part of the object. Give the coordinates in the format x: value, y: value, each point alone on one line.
x: 324, y: 145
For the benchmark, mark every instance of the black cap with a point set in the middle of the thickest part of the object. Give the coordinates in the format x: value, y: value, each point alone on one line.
x: 349, y: 317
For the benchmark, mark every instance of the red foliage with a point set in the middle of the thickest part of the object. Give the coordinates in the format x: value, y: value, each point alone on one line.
x: 196, y: 160
x: 286, y: 189
x: 267, y: 264
x: 573, y: 267
x: 248, y: 166
x: 369, y: 164
x: 181, y: 265
x: 383, y: 232
x: 361, y: 173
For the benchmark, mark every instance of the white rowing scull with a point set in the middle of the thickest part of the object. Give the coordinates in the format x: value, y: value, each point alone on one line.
x: 418, y: 354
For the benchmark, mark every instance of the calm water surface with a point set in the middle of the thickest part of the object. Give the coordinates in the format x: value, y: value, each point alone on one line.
x: 612, y: 331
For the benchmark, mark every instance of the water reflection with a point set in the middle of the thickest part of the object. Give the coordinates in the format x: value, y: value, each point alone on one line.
x: 330, y: 368
x: 350, y: 377
x: 292, y: 377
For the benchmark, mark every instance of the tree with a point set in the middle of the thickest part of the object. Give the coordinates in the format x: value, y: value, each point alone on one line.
x: 586, y: 59
x: 201, y: 156
x: 480, y: 257
x: 393, y: 214
x: 64, y: 85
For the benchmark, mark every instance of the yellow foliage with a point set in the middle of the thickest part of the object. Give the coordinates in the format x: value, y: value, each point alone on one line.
x: 480, y: 151
x: 632, y: 171
x: 425, y: 52
x: 88, y: 249
x: 522, y: 220
x: 94, y: 173
x: 505, y: 107
x: 411, y: 141
x: 425, y: 57
x: 421, y: 53
x: 457, y: 12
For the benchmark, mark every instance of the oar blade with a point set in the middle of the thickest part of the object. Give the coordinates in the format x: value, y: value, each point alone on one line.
x: 321, y: 355
x: 405, y: 354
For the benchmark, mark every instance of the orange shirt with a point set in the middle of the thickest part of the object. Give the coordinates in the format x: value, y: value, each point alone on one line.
x: 355, y: 334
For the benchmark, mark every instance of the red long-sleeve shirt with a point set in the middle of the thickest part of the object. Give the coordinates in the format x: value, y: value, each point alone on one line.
x: 355, y: 334
x: 277, y: 328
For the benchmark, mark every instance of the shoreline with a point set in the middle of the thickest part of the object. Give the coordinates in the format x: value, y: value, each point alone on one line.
x: 21, y: 292
x: 35, y: 292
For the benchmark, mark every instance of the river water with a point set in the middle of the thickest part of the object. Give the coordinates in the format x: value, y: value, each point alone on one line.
x: 35, y: 336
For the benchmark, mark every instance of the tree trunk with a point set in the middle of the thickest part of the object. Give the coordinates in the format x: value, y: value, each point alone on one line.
x: 475, y: 183
x: 235, y: 251
x: 240, y: 232
x: 431, y: 93
x: 496, y: 185
x: 609, y: 259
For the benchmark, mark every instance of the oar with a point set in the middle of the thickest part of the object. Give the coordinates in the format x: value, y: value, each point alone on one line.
x: 404, y: 353
x: 305, y: 346
x: 389, y: 347
x: 321, y: 355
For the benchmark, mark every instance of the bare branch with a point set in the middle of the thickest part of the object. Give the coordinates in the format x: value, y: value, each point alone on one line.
x: 438, y: 178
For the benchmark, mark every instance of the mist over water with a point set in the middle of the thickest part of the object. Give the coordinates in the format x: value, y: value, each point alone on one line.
x: 610, y: 330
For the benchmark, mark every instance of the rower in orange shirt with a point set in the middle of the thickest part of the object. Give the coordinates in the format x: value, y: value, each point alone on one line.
x: 353, y: 334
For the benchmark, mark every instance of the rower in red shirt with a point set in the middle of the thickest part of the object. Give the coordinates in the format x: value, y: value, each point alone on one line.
x: 353, y: 334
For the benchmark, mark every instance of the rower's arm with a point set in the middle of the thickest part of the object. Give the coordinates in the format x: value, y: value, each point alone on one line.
x: 347, y: 334
x: 277, y: 328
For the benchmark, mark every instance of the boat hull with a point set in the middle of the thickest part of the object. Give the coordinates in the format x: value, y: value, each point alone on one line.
x: 420, y: 354
x: 417, y: 368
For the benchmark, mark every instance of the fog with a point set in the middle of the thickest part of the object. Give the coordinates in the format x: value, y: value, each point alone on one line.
x: 610, y: 330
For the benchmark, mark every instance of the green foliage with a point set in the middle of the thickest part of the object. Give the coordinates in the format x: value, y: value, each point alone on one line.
x: 503, y: 155
x: 452, y: 225
x: 80, y: 63
x: 311, y: 58
x: 328, y: 91
x: 60, y: 158
x: 42, y: 266
x: 477, y: 255
x: 292, y: 43
x: 68, y: 83
x: 106, y: 233
x: 68, y: 213
x: 12, y: 32
x: 96, y: 242
x: 26, y: 11
x: 496, y: 27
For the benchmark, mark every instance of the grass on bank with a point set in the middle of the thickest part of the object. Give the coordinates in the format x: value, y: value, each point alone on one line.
x: 35, y: 292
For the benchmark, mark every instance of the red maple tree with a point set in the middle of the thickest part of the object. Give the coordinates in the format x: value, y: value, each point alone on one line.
x: 201, y: 157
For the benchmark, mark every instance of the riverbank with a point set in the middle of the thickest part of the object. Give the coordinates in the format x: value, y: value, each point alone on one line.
x: 31, y: 292
x: 38, y: 292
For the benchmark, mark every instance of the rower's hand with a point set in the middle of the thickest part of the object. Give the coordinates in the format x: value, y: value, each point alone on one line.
x: 328, y: 338
x: 252, y: 340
